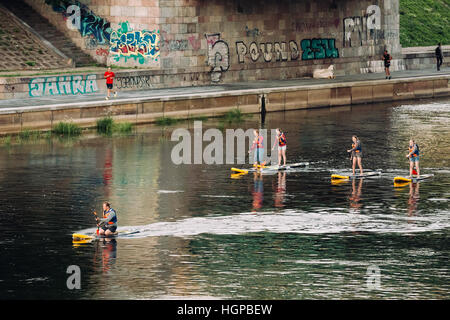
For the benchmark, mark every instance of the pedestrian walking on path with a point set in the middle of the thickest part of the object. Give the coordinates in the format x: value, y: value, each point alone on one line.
x: 439, y: 56
x: 109, y: 76
x: 387, y: 63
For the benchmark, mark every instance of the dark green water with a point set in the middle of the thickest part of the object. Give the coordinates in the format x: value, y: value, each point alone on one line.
x: 202, y: 234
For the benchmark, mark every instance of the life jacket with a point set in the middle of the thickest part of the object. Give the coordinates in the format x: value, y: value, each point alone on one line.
x: 411, y: 149
x: 259, y: 142
x: 357, y: 149
x: 107, y: 213
x: 282, y: 140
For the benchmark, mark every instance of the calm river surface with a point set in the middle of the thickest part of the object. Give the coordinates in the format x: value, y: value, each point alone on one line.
x: 202, y: 234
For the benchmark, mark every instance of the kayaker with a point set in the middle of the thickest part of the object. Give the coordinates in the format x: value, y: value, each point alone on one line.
x: 356, y: 155
x: 413, y: 156
x: 108, y: 224
x: 281, y: 139
x: 259, y: 152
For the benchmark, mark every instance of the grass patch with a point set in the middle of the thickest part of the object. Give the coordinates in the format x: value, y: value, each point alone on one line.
x: 105, y: 125
x: 424, y: 22
x: 234, y: 115
x: 123, y: 127
x: 67, y: 129
x: 30, y: 63
x: 6, y: 140
x: 166, y: 121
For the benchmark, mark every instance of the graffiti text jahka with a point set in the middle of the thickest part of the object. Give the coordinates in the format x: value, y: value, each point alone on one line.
x: 65, y: 85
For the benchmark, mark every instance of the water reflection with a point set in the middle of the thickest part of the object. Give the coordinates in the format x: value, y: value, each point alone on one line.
x: 258, y: 190
x: 355, y: 196
x: 198, y: 231
x: 413, y: 200
x: 279, y: 190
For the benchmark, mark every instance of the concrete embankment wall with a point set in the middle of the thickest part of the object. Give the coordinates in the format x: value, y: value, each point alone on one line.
x: 147, y: 110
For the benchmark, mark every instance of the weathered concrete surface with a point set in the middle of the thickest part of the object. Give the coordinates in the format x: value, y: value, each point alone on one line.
x: 146, y: 106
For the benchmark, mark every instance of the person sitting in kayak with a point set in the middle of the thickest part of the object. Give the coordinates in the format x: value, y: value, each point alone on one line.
x: 259, y: 153
x: 108, y: 224
x: 413, y: 156
x: 356, y: 155
x: 281, y: 138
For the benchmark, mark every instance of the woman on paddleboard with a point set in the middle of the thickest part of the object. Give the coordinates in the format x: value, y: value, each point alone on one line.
x: 108, y: 224
x: 259, y: 152
x: 356, y: 155
x: 413, y: 156
x: 281, y: 139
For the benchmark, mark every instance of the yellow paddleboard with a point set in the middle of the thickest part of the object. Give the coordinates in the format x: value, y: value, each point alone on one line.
x: 239, y: 170
x: 81, y: 237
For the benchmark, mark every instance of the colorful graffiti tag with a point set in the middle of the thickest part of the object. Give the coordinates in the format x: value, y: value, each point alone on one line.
x: 319, y: 49
x: 80, y: 17
x: 63, y: 85
x: 138, y: 45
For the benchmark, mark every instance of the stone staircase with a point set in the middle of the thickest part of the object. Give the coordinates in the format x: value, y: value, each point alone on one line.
x: 47, y: 31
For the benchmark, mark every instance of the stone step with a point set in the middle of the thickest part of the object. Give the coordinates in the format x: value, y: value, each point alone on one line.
x: 42, y: 26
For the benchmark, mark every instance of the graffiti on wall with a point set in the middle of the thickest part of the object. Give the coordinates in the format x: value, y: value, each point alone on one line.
x: 142, y: 46
x: 319, y: 49
x: 363, y: 30
x: 218, y: 56
x: 278, y: 51
x: 133, y: 82
x: 78, y: 16
x: 62, y: 85
x: 282, y: 51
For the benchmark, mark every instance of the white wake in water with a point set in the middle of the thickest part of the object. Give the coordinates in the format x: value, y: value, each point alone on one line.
x: 291, y: 221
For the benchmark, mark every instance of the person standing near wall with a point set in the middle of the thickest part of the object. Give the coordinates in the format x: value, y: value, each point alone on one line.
x: 439, y: 56
x: 109, y: 76
x: 387, y: 63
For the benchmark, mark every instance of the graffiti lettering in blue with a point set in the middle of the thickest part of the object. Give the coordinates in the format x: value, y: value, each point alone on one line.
x: 82, y: 18
x: 62, y: 85
x: 139, y: 45
x: 319, y: 49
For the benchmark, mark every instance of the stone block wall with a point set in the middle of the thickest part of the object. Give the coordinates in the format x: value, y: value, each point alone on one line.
x: 193, y: 42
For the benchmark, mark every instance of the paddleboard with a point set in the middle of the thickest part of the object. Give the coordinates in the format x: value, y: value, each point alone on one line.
x: 356, y: 176
x: 85, y: 237
x: 413, y: 179
x: 271, y: 168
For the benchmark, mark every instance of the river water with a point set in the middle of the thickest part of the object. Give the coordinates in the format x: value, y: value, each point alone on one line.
x: 202, y: 234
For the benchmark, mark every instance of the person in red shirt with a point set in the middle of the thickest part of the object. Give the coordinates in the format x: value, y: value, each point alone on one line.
x: 109, y: 76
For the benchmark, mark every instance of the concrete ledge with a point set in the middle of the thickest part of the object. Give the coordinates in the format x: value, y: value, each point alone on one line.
x: 147, y: 109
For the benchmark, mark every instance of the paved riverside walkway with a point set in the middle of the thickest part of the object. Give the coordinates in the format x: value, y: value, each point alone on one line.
x: 167, y: 93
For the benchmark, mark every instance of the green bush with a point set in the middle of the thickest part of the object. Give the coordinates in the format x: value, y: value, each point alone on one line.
x: 67, y: 129
x: 105, y: 125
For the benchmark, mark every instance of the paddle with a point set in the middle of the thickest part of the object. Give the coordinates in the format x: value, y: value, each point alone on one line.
x: 96, y: 219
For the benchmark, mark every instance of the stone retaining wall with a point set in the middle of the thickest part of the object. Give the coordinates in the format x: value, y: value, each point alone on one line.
x: 147, y: 110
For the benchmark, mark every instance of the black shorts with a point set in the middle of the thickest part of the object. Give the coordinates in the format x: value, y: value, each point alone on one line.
x: 387, y: 65
x: 112, y: 229
x: 109, y: 85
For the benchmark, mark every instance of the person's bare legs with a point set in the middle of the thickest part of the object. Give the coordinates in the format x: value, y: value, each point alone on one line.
x: 411, y: 167
x: 284, y: 156
x: 359, y: 165
x: 417, y: 169
x: 354, y: 165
